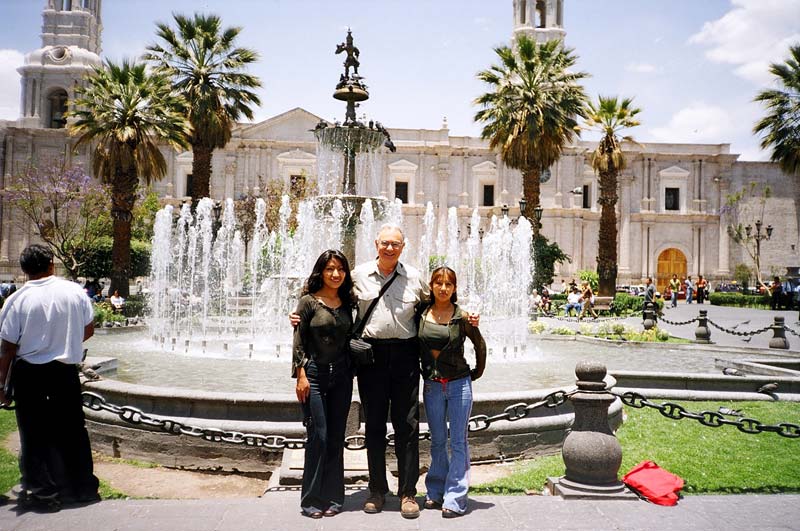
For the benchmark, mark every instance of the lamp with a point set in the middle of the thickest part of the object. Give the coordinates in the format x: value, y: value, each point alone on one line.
x: 522, y: 205
x: 769, y: 231
x: 537, y: 214
x: 748, y: 229
x: 504, y: 211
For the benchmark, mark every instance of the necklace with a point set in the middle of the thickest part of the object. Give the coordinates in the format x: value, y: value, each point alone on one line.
x: 442, y: 316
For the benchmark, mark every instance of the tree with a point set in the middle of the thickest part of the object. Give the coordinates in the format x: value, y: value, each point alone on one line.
x: 547, y: 256
x: 126, y: 111
x: 781, y: 126
x: 609, y: 116
x: 743, y: 209
x: 531, y: 111
x: 209, y: 71
x: 65, y: 205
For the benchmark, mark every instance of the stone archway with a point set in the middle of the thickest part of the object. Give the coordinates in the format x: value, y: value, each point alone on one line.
x: 670, y: 262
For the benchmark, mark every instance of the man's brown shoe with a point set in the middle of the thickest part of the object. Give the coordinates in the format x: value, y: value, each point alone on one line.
x: 374, y: 503
x: 408, y: 507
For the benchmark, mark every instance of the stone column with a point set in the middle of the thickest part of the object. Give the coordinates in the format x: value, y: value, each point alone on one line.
x: 626, y: 181
x: 723, y: 249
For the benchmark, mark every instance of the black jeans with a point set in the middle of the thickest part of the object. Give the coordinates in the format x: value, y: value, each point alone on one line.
x: 55, y: 456
x: 392, y: 384
x: 325, y: 417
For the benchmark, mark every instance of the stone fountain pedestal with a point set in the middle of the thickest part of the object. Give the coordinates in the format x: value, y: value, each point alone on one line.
x: 592, y: 454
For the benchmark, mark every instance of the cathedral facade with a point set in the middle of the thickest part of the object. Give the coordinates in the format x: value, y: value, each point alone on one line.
x: 670, y: 213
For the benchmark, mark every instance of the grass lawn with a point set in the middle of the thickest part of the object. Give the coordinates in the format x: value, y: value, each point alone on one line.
x: 710, y: 460
x: 9, y: 467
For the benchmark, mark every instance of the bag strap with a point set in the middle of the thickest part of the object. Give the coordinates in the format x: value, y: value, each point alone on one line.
x: 363, y: 322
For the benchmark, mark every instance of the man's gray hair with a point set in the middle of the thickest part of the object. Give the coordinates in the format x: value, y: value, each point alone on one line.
x: 390, y: 226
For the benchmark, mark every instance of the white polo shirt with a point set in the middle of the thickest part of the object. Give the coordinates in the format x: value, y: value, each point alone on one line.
x: 46, y: 318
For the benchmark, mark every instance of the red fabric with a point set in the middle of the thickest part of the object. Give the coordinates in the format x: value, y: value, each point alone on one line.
x: 654, y: 483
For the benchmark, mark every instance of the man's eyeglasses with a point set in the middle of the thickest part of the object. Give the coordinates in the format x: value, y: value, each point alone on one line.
x: 385, y: 244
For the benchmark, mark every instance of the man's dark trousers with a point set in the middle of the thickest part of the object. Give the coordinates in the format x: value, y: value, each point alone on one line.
x: 55, y: 453
x: 391, y: 385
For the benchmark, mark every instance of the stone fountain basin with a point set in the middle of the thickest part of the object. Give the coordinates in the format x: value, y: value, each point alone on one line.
x: 541, y: 432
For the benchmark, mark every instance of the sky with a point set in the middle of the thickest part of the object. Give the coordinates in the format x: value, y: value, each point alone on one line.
x: 692, y: 66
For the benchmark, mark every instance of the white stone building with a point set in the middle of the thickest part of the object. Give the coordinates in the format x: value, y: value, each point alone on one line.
x: 670, y: 194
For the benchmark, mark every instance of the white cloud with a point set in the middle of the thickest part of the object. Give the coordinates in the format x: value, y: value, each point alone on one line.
x: 753, y: 34
x: 697, y: 123
x: 10, y: 60
x: 641, y: 68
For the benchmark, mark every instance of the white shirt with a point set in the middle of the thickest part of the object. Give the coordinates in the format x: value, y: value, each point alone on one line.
x: 46, y: 318
x: 117, y: 301
x: 393, y: 316
x: 574, y: 298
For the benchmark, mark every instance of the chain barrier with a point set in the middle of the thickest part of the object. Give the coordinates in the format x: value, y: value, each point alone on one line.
x: 733, y: 332
x: 713, y: 419
x: 795, y: 334
x: 677, y: 323
x: 576, y: 319
x: 136, y: 416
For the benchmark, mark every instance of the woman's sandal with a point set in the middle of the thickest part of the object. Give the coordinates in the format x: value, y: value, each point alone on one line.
x: 430, y: 504
x: 447, y: 513
x: 316, y: 515
x: 331, y: 511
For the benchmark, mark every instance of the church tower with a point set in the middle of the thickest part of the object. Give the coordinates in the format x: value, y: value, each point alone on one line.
x: 70, y: 49
x: 542, y: 20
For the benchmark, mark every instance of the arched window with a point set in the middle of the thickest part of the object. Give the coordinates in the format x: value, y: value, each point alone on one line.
x: 67, y: 5
x: 57, y: 102
x: 541, y: 10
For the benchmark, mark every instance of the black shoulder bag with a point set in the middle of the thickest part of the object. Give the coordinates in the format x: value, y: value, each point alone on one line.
x: 361, y: 352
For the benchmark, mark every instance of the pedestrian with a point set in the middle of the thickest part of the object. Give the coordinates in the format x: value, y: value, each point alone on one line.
x: 44, y: 325
x: 689, y: 289
x: 700, y: 287
x: 649, y: 293
x: 775, y: 294
x: 321, y: 364
x: 587, y: 297
x: 573, y: 303
x: 675, y: 287
x: 447, y: 392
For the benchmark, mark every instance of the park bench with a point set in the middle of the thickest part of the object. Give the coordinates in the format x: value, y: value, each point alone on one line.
x: 604, y: 304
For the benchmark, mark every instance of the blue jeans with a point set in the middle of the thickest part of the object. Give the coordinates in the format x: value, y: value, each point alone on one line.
x: 689, y: 295
x: 578, y: 307
x: 448, y: 477
x: 674, y: 299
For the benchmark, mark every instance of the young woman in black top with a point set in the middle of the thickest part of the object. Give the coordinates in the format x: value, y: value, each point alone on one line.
x: 324, y: 386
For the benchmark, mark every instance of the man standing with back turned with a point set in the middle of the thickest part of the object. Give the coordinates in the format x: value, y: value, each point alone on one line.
x: 43, y: 327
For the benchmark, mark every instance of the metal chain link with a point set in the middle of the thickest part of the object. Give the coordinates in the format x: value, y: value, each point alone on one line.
x: 677, y: 323
x: 741, y: 334
x: 136, y: 416
x: 712, y: 419
x: 796, y: 334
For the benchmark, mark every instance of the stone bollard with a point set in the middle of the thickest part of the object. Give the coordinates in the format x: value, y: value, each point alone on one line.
x: 649, y: 316
x: 592, y: 454
x: 535, y: 315
x: 778, y: 339
x: 702, y: 334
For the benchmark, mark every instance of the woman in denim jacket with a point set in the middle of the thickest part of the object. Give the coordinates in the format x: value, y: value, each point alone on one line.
x: 447, y: 392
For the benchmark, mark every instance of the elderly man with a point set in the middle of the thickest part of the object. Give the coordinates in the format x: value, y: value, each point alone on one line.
x: 390, y: 387
x: 44, y: 325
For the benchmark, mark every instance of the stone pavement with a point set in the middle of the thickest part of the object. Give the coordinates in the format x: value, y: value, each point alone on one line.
x: 743, y: 319
x: 279, y: 511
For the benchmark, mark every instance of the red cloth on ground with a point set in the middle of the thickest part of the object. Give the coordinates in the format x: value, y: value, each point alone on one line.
x: 654, y: 483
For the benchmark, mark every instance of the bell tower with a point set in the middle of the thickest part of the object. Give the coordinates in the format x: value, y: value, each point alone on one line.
x: 70, y: 49
x: 542, y: 20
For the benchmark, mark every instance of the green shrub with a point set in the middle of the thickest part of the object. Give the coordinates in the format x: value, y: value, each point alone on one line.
x: 626, y: 304
x: 739, y: 299
x: 560, y: 297
x: 562, y: 331
x: 103, y: 311
x: 98, y: 260
x: 134, y: 306
x: 591, y: 277
x: 536, y: 327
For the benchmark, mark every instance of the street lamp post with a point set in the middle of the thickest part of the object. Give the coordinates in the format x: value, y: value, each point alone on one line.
x: 537, y: 220
x: 758, y: 236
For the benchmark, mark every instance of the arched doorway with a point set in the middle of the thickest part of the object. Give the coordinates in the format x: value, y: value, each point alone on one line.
x: 670, y: 262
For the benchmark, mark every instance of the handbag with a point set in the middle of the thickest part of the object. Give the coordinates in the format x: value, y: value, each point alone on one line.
x: 361, y: 352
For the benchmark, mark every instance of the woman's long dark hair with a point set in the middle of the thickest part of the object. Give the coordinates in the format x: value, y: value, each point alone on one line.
x: 315, y: 283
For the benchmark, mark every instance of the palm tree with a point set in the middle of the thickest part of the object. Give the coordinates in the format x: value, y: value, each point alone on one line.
x: 781, y: 126
x: 126, y: 111
x: 531, y: 112
x: 209, y: 71
x: 609, y: 116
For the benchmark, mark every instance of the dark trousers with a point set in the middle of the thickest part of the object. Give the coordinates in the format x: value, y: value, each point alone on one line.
x: 55, y: 456
x: 325, y: 417
x: 391, y: 386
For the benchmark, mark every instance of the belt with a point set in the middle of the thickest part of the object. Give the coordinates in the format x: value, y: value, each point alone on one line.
x: 393, y: 341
